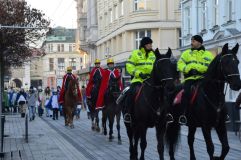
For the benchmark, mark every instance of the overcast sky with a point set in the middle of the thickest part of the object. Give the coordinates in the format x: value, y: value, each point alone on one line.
x: 61, y: 12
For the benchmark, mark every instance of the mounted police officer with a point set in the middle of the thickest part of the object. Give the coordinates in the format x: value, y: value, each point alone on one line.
x: 193, y: 63
x: 139, y: 66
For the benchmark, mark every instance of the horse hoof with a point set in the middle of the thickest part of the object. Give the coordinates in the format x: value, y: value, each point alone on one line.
x: 105, y: 133
x: 97, y: 129
x: 119, y: 142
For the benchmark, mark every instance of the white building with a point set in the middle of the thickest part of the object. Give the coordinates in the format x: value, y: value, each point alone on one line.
x: 60, y: 48
x: 86, y: 34
x: 218, y: 21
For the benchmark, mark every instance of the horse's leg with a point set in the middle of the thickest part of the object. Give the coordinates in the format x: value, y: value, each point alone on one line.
x: 97, y: 121
x: 143, y: 143
x: 111, y: 123
x: 160, y: 131
x: 191, y: 134
x: 104, y: 118
x: 136, y: 140
x: 118, y: 126
x: 222, y: 135
x: 130, y: 136
x: 72, y: 118
x: 208, y: 139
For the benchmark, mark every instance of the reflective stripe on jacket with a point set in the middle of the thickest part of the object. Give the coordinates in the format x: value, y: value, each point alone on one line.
x: 139, y: 63
x: 194, y: 59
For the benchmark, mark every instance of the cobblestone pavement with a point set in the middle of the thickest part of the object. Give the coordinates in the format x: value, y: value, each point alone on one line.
x: 51, y: 140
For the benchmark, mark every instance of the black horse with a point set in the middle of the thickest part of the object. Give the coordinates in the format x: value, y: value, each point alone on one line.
x: 208, y: 109
x: 150, y: 107
x: 94, y: 113
x: 111, y: 109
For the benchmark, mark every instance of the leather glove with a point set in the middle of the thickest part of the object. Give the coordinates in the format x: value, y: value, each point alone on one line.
x: 193, y: 72
x: 144, y: 76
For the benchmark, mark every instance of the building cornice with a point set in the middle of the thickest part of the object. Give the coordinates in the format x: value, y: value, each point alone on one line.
x: 213, y: 41
x: 141, y: 25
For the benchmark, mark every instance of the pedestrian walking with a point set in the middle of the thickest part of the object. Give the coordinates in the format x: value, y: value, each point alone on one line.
x: 47, y: 95
x: 53, y: 102
x: 21, y: 101
x: 32, y: 99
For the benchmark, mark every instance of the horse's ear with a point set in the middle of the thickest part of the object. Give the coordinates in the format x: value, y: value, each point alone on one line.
x: 157, y: 53
x: 169, y: 52
x: 225, y: 49
x: 235, y: 49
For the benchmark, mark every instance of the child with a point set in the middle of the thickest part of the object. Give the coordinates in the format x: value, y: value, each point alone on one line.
x: 53, y: 102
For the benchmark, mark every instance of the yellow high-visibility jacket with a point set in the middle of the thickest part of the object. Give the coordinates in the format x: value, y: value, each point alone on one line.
x: 194, y: 59
x: 139, y: 63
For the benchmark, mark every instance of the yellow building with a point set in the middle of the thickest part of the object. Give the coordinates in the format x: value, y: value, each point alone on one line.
x: 123, y: 23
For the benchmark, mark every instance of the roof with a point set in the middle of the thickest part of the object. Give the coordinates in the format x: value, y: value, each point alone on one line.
x: 61, y: 34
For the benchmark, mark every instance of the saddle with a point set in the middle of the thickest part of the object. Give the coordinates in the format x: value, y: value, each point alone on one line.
x: 178, y: 99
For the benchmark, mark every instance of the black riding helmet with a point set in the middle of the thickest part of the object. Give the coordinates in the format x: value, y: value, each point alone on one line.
x: 144, y: 41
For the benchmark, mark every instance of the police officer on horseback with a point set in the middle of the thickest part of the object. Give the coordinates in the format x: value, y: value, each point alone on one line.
x: 193, y: 63
x: 65, y: 85
x: 139, y: 66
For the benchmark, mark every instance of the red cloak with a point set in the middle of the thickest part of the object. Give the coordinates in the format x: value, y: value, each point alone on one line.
x: 61, y: 96
x: 104, y: 86
x: 91, y: 81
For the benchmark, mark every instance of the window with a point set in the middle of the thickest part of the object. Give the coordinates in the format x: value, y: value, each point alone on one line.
x: 139, y: 5
x: 72, y: 63
x: 180, y: 37
x: 140, y: 34
x: 61, y: 65
x: 116, y: 12
x: 81, y: 60
x: 73, y: 46
x: 62, y: 47
x: 111, y: 16
x: 187, y: 21
x: 70, y: 48
x: 58, y: 47
x: 122, y: 8
x: 203, y: 15
x: 215, y: 12
x: 51, y: 47
x: 229, y: 10
x: 51, y: 64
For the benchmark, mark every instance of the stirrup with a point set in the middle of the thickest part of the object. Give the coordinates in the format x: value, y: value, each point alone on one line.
x: 170, y: 118
x: 182, y: 117
x: 127, y: 120
x: 227, y: 120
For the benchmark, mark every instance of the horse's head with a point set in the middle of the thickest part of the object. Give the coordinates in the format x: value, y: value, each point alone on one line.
x: 229, y: 66
x: 113, y: 87
x: 163, y: 71
x: 73, y: 85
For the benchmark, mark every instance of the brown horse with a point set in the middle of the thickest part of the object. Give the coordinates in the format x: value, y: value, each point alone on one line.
x: 70, y: 101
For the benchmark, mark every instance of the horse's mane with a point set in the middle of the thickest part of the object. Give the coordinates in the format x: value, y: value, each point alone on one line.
x: 212, y: 68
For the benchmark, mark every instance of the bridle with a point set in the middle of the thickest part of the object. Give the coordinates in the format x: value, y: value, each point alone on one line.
x: 156, y: 87
x: 228, y: 75
x: 220, y: 105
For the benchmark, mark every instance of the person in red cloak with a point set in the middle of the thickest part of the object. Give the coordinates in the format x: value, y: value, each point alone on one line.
x: 110, y: 72
x: 65, y: 84
x: 93, y: 85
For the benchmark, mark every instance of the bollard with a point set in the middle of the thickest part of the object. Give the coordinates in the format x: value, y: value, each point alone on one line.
x: 3, y: 121
x: 26, y: 128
